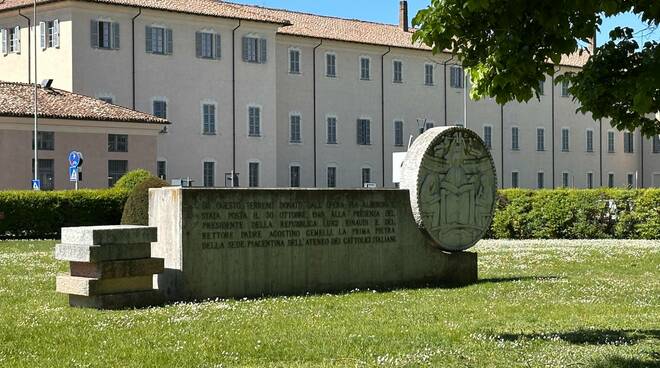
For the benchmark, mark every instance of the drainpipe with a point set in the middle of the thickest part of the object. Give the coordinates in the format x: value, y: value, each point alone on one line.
x: 553, y: 132
x: 29, y: 45
x: 133, y: 51
x: 382, y: 110
x: 445, y: 83
x: 502, y: 141
x: 233, y: 103
x: 314, y: 105
x: 641, y: 152
x: 600, y: 140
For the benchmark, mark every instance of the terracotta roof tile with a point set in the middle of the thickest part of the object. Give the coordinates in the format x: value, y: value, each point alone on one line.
x: 16, y: 99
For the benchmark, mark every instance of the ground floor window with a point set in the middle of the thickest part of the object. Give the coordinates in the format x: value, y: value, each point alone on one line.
x: 161, y: 169
x: 209, y: 174
x: 294, y: 171
x: 253, y: 174
x: 116, y: 169
x: 366, y: 176
x: 46, y: 173
x: 515, y: 179
x: 332, y: 177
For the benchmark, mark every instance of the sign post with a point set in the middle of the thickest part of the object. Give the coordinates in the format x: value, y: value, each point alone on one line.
x: 75, y: 161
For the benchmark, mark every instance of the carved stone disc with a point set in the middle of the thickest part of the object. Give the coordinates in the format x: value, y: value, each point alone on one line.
x: 451, y: 177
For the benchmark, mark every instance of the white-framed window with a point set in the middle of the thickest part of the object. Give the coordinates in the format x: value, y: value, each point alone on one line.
x: 294, y: 61
x: 515, y: 139
x: 209, y: 174
x: 4, y: 42
x: 208, y: 44
x: 331, y: 129
x: 209, y: 116
x: 294, y: 175
x: 10, y: 40
x: 255, y: 49
x: 49, y: 33
x: 254, y: 121
x: 161, y: 169
x: 564, y: 88
x: 398, y: 133
x: 331, y: 65
x: 397, y: 71
x: 159, y: 107
x: 366, y: 176
x: 488, y: 136
x: 295, y: 122
x: 565, y: 179
x: 656, y: 144
x: 365, y: 68
x: 253, y: 174
x: 158, y: 40
x: 565, y: 139
x: 590, y: 140
x: 456, y: 77
x: 428, y: 74
x: 331, y: 173
x: 541, y: 89
x: 540, y: 139
x: 363, y: 132
x: 515, y: 179
x: 610, y: 142
x: 105, y: 34
x: 628, y: 142
x: 610, y: 180
x: 590, y: 180
x: 540, y: 180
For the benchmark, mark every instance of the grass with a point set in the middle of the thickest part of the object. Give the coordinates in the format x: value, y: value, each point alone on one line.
x: 538, y: 304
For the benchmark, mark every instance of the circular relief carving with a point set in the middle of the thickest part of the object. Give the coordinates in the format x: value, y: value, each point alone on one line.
x: 451, y: 177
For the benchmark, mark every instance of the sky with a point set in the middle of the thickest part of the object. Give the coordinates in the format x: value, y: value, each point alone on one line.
x: 387, y: 11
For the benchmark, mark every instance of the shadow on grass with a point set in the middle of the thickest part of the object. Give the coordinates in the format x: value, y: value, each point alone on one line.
x: 621, y: 362
x: 500, y: 280
x: 589, y: 337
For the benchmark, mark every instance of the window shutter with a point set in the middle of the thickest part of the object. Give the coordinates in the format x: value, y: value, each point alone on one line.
x: 42, y: 35
x: 218, y: 46
x: 3, y: 41
x: 360, y: 133
x: 95, y: 34
x: 245, y: 48
x: 198, y: 44
x: 169, y: 42
x: 115, y: 35
x: 17, y: 32
x: 263, y: 51
x: 56, y: 33
x: 148, y: 37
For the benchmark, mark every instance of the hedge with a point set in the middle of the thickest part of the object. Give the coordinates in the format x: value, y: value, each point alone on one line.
x: 41, y: 215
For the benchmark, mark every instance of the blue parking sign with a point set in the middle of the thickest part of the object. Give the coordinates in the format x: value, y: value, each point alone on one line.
x: 36, y: 184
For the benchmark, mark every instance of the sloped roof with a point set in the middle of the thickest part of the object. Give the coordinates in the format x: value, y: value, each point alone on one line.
x: 16, y: 99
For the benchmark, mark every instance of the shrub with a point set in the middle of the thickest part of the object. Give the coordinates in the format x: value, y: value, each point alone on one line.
x: 136, y: 210
x: 131, y: 179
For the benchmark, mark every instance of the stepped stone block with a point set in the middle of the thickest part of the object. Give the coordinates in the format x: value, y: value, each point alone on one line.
x: 118, y: 269
x: 104, y: 235
x: 98, y: 253
x: 139, y: 299
x: 85, y: 286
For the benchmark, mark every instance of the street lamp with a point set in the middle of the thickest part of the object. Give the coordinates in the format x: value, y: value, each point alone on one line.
x: 36, y: 109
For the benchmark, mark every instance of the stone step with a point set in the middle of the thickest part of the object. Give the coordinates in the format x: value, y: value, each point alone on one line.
x: 104, y: 235
x: 85, y: 286
x: 98, y: 253
x: 139, y: 299
x: 118, y: 269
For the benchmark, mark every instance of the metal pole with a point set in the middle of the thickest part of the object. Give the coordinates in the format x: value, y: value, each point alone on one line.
x: 465, y: 98
x: 36, y: 109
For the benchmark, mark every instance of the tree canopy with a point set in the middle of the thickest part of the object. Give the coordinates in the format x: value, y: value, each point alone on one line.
x: 508, y: 46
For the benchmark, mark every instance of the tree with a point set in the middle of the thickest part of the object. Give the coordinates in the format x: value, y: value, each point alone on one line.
x: 508, y: 46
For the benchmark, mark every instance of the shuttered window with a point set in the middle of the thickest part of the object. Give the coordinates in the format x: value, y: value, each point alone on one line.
x: 255, y: 50
x: 49, y: 34
x: 366, y: 176
x: 515, y: 179
x: 160, y: 109
x: 515, y: 143
x: 656, y: 144
x: 565, y: 140
x: 208, y: 45
x: 208, y: 119
x: 540, y: 180
x: 540, y: 139
x: 294, y: 61
x: 365, y: 68
x: 294, y: 129
x: 628, y: 142
x: 332, y: 177
x: 159, y: 40
x: 209, y: 174
x: 397, y: 67
x: 610, y: 180
x: 541, y: 89
x: 363, y: 132
x: 253, y: 174
x: 590, y: 141
x: 565, y: 182
x: 428, y: 74
x: 590, y: 180
x: 331, y: 130
x: 11, y: 40
x: 610, y: 142
x: 254, y: 121
x: 564, y: 88
x: 398, y: 133
x: 331, y: 65
x: 294, y: 173
x: 105, y: 34
x: 456, y: 77
x: 488, y: 136
x: 161, y: 169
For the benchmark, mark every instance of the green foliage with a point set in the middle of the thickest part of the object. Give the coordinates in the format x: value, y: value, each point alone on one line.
x: 30, y: 214
x: 131, y: 179
x: 509, y: 46
x: 577, y: 214
x: 136, y: 211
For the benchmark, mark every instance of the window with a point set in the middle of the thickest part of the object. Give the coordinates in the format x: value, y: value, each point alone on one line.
x: 590, y: 140
x: 541, y: 87
x: 160, y: 108
x: 253, y: 174
x: 4, y: 42
x: 366, y: 176
x: 590, y: 180
x: 564, y: 88
x: 398, y: 133
x: 540, y: 139
x: 610, y: 142
x: 294, y: 176
x: 628, y: 142
x: 332, y: 177
x: 208, y: 119
x: 488, y: 136
x: 209, y: 174
x: 610, y: 180
x: 116, y: 169
x: 515, y: 144
x: 117, y: 143
x: 254, y: 121
x: 161, y: 169
x: 331, y: 65
x: 397, y: 67
x: 428, y: 74
x: 515, y: 179
x: 456, y: 77
x: 331, y: 128
x: 46, y: 173
x: 158, y: 40
x: 540, y: 180
x: 294, y: 61
x: 255, y: 50
x: 105, y: 34
x: 15, y: 40
x: 45, y: 141
x: 49, y: 34
x: 565, y: 180
x: 208, y: 45
x: 294, y: 129
x: 656, y: 144
x: 363, y: 132
x: 565, y: 139
x: 631, y: 180
x: 365, y: 68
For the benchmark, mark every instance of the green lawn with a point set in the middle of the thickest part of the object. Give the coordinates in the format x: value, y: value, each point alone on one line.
x: 539, y: 304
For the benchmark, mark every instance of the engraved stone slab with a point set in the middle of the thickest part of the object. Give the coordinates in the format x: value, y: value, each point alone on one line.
x: 118, y: 269
x: 102, y: 235
x: 98, y: 253
x: 451, y: 177
x: 138, y: 299
x: 85, y: 286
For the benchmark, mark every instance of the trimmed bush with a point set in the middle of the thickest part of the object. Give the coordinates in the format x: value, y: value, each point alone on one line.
x: 131, y: 179
x: 136, y: 210
x: 40, y: 215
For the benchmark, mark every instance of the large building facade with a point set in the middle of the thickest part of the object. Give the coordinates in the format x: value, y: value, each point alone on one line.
x: 291, y: 99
